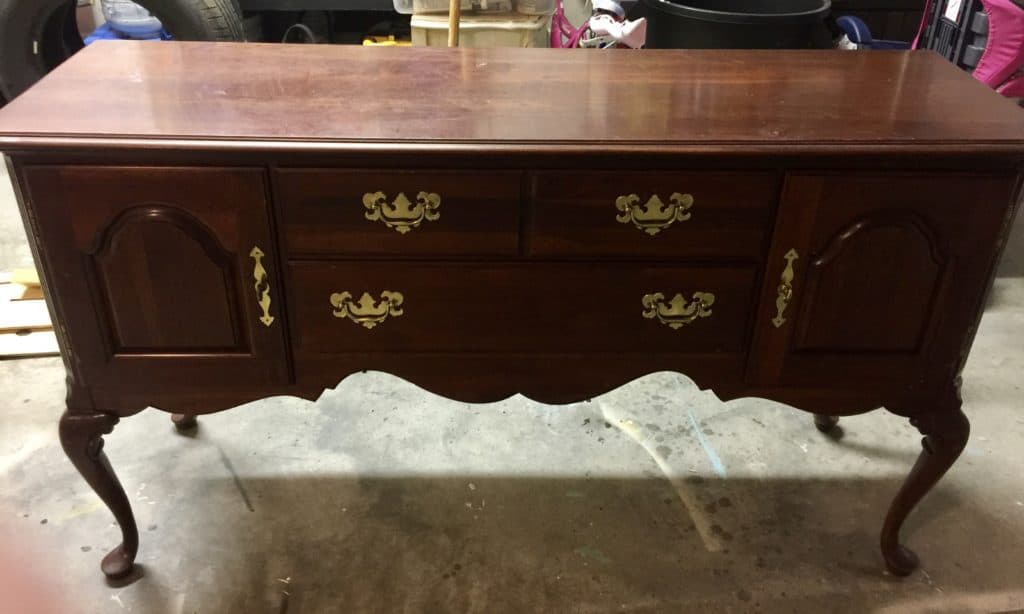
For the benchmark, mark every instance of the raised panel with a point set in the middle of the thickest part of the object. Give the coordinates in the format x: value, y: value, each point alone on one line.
x: 167, y: 284
x: 839, y: 312
x: 888, y: 281
x: 159, y: 273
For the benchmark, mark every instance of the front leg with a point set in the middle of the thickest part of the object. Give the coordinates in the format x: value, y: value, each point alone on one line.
x: 81, y: 436
x: 945, y: 436
x: 184, y: 422
x: 825, y: 423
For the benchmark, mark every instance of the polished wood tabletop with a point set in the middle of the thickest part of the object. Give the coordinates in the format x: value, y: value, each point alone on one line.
x: 322, y: 93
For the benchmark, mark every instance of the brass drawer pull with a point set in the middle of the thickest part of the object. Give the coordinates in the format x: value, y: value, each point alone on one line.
x: 262, y: 285
x: 367, y: 311
x: 401, y: 214
x: 678, y: 311
x: 785, y: 290
x: 653, y: 216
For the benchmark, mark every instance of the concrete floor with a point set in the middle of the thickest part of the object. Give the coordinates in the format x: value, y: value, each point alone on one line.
x: 656, y: 497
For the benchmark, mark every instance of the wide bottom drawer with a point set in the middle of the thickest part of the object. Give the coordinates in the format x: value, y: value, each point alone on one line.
x: 547, y: 307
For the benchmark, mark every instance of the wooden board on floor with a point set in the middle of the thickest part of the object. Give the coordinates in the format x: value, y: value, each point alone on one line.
x: 30, y: 343
x: 20, y: 285
x: 25, y: 327
x: 24, y: 315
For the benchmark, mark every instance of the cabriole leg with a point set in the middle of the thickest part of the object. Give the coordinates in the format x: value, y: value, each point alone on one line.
x: 945, y: 435
x: 81, y: 436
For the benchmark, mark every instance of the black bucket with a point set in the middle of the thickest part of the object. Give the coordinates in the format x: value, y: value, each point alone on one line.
x: 736, y: 24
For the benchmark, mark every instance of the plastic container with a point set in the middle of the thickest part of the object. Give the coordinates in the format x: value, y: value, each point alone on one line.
x: 736, y: 24
x: 526, y: 7
x: 106, y: 33
x: 130, y: 19
x: 535, y: 7
x: 482, y: 30
x: 441, y: 6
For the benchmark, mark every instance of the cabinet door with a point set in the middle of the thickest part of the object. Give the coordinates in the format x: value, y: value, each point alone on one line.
x: 876, y: 280
x: 164, y: 276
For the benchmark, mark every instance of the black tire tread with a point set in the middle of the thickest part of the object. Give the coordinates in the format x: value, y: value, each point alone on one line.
x: 215, y: 20
x: 225, y: 20
x: 199, y: 20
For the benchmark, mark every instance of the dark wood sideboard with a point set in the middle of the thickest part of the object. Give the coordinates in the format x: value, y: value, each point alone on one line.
x: 217, y: 223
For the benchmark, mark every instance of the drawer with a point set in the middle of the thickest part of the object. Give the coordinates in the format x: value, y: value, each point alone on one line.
x: 397, y: 213
x: 652, y: 214
x: 564, y: 307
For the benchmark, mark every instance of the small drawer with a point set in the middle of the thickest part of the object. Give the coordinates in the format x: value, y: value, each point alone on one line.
x: 652, y: 214
x: 399, y: 213
x: 447, y: 307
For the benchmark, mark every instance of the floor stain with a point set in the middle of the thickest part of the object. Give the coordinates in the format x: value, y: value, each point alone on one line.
x: 719, y: 531
x: 594, y: 554
x: 238, y: 484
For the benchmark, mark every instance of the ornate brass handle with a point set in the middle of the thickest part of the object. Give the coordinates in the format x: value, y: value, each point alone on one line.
x: 653, y: 216
x: 401, y: 214
x: 678, y: 311
x: 785, y: 290
x: 367, y: 311
x: 262, y: 285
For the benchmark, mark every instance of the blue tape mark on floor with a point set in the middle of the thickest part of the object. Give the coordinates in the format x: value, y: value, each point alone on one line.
x: 716, y: 462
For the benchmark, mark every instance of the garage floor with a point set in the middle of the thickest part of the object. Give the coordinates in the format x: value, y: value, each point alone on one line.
x: 655, y: 497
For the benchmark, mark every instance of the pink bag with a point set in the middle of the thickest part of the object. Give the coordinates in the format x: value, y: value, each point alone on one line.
x: 1004, y: 52
x: 1003, y: 59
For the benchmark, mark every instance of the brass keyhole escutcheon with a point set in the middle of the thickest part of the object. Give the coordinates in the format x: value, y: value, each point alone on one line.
x: 262, y: 285
x: 784, y: 293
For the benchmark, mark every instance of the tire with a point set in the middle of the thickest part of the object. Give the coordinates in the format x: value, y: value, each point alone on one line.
x: 37, y: 35
x: 198, y: 20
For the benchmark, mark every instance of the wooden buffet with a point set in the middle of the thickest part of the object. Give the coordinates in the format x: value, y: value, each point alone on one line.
x: 217, y: 223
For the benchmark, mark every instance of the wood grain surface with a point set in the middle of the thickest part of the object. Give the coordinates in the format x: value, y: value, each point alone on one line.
x: 324, y: 212
x: 318, y: 93
x: 542, y: 309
